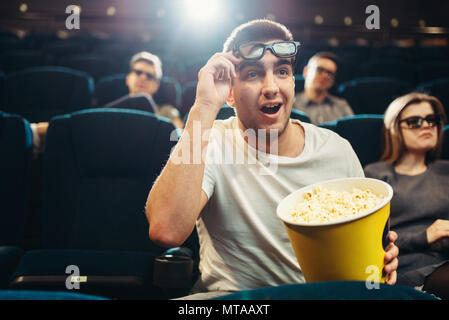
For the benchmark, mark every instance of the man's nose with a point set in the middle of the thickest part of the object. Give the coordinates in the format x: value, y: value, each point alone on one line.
x: 270, y: 86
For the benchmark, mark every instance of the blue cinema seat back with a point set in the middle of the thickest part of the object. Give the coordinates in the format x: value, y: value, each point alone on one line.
x: 438, y: 88
x: 139, y: 101
x: 15, y: 145
x: 110, y: 88
x: 2, y: 84
x: 45, y: 295
x: 299, y: 83
x: 297, y: 114
x: 169, y: 92
x: 15, y: 160
x: 95, y: 65
x: 390, y: 68
x: 40, y: 93
x: 12, y: 61
x: 364, y: 132
x: 445, y: 148
x: 431, y: 70
x: 331, y: 290
x: 98, y: 167
x: 372, y: 95
x: 188, y: 97
x: 225, y: 112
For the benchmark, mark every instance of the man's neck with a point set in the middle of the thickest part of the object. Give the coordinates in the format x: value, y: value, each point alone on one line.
x: 290, y: 143
x: 314, y: 95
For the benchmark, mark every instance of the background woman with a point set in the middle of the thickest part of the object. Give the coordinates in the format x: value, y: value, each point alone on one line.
x: 413, y: 134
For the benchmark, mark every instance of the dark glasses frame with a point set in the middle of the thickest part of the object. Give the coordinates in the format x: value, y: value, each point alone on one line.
x: 148, y: 75
x: 329, y: 74
x: 237, y: 48
x: 417, y: 122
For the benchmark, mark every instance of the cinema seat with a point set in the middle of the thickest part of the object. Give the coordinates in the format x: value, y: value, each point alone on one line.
x: 2, y: 84
x: 139, y: 101
x: 40, y: 93
x: 438, y: 88
x: 431, y: 70
x: 110, y: 88
x: 301, y: 116
x: 98, y: 167
x: 12, y: 61
x: 225, y: 112
x: 170, y: 92
x: 188, y: 97
x: 15, y: 145
x: 364, y: 132
x: 331, y: 290
x: 95, y: 65
x: 445, y: 149
x: 45, y: 295
x: 372, y: 95
x: 390, y: 68
x: 113, y: 87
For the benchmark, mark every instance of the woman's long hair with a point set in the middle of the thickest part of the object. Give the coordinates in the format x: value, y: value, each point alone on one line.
x: 393, y: 141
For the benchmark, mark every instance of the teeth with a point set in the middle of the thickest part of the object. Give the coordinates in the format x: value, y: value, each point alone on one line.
x: 271, y: 105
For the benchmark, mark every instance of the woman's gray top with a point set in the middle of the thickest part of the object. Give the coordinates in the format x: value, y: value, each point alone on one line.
x: 418, y: 201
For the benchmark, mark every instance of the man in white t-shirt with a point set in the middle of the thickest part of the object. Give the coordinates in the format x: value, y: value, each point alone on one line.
x: 227, y: 177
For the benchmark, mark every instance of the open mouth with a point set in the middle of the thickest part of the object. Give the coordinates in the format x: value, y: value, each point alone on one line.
x: 271, y: 109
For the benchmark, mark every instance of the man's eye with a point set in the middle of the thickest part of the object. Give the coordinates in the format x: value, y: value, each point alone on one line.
x: 252, y: 74
x: 284, y: 72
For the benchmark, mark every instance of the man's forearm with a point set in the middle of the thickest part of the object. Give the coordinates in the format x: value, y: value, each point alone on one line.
x: 174, y: 202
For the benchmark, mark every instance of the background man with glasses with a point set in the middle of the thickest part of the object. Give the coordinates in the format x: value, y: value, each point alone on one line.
x: 145, y: 77
x: 315, y: 100
x: 145, y: 73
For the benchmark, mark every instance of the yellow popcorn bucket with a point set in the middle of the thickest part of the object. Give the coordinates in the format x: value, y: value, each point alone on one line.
x: 351, y: 249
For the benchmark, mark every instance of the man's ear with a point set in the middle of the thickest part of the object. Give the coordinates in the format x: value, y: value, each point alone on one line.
x: 304, y: 72
x: 127, y: 80
x: 230, y: 101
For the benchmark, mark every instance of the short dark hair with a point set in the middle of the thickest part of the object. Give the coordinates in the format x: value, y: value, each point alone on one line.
x: 324, y: 55
x: 257, y: 30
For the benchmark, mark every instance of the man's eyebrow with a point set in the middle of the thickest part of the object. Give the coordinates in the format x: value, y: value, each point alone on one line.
x: 245, y: 64
x: 281, y: 62
x: 257, y: 64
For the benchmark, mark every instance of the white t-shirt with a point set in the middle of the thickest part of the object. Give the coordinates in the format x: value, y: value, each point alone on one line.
x: 243, y: 245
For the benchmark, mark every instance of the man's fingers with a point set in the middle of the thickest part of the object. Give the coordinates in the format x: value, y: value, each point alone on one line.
x: 392, y: 252
x: 391, y: 266
x: 392, y: 236
x: 392, y: 278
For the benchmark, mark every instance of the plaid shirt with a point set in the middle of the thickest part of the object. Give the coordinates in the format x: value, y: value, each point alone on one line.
x: 330, y: 109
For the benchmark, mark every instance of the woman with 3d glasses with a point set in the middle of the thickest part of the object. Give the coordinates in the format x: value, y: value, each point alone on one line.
x: 413, y: 134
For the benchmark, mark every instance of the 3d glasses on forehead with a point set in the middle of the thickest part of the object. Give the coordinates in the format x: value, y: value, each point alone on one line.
x: 255, y: 51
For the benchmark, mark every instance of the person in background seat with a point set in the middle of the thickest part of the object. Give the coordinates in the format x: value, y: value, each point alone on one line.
x: 315, y: 100
x: 143, y: 78
x: 413, y: 134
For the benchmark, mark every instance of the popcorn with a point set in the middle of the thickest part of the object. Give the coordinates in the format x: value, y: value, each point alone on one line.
x: 322, y: 205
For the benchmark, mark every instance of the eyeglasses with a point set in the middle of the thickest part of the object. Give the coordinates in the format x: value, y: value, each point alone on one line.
x: 329, y: 74
x: 148, y: 75
x: 417, y: 122
x: 255, y: 51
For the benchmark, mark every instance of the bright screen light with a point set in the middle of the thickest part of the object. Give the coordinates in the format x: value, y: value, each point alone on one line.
x: 201, y: 11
